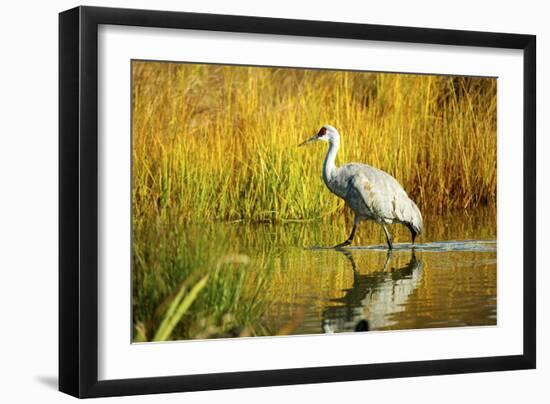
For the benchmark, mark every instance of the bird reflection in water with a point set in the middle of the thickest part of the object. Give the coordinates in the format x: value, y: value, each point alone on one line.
x: 373, y: 297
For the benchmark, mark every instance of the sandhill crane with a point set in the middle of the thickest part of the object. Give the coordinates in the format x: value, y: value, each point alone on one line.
x: 371, y: 193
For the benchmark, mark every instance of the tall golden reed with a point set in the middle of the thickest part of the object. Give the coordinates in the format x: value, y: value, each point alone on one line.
x: 219, y: 142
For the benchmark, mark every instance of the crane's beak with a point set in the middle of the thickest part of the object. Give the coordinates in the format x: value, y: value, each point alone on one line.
x: 313, y: 139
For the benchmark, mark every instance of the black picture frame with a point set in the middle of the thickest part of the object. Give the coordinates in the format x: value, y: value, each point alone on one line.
x: 78, y: 200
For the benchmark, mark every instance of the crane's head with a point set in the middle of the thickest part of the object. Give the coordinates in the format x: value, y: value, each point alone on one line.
x: 327, y: 133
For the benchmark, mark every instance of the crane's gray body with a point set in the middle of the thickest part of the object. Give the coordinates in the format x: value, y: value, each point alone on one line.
x: 373, y: 194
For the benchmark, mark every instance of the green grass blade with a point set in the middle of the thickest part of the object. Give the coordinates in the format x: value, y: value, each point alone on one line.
x: 177, y: 310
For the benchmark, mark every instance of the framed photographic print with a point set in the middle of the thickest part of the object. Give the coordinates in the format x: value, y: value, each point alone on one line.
x: 251, y: 201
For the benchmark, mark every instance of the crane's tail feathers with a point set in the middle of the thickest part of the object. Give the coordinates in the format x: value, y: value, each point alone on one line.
x: 415, y: 221
x: 413, y: 231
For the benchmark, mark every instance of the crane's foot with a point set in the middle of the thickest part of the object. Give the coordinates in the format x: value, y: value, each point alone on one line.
x: 344, y: 244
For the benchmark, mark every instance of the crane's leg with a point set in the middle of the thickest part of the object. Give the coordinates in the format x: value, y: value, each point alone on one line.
x: 351, y: 236
x: 388, y: 236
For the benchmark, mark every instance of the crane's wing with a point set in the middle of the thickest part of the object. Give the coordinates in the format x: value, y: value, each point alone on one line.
x: 384, y: 197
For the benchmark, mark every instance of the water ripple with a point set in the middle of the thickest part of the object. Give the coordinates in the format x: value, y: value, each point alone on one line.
x: 434, y: 246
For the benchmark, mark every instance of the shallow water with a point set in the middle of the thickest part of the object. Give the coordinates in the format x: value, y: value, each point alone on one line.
x: 442, y: 284
x: 298, y: 284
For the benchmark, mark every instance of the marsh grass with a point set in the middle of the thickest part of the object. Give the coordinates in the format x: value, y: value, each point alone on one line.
x: 219, y: 144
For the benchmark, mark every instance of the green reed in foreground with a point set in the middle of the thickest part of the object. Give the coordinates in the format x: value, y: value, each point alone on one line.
x: 193, y: 283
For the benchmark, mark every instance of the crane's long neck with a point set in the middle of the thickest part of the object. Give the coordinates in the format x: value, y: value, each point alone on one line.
x: 329, y: 166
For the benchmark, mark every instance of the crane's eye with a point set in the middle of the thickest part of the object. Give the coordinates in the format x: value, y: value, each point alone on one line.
x: 322, y: 132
